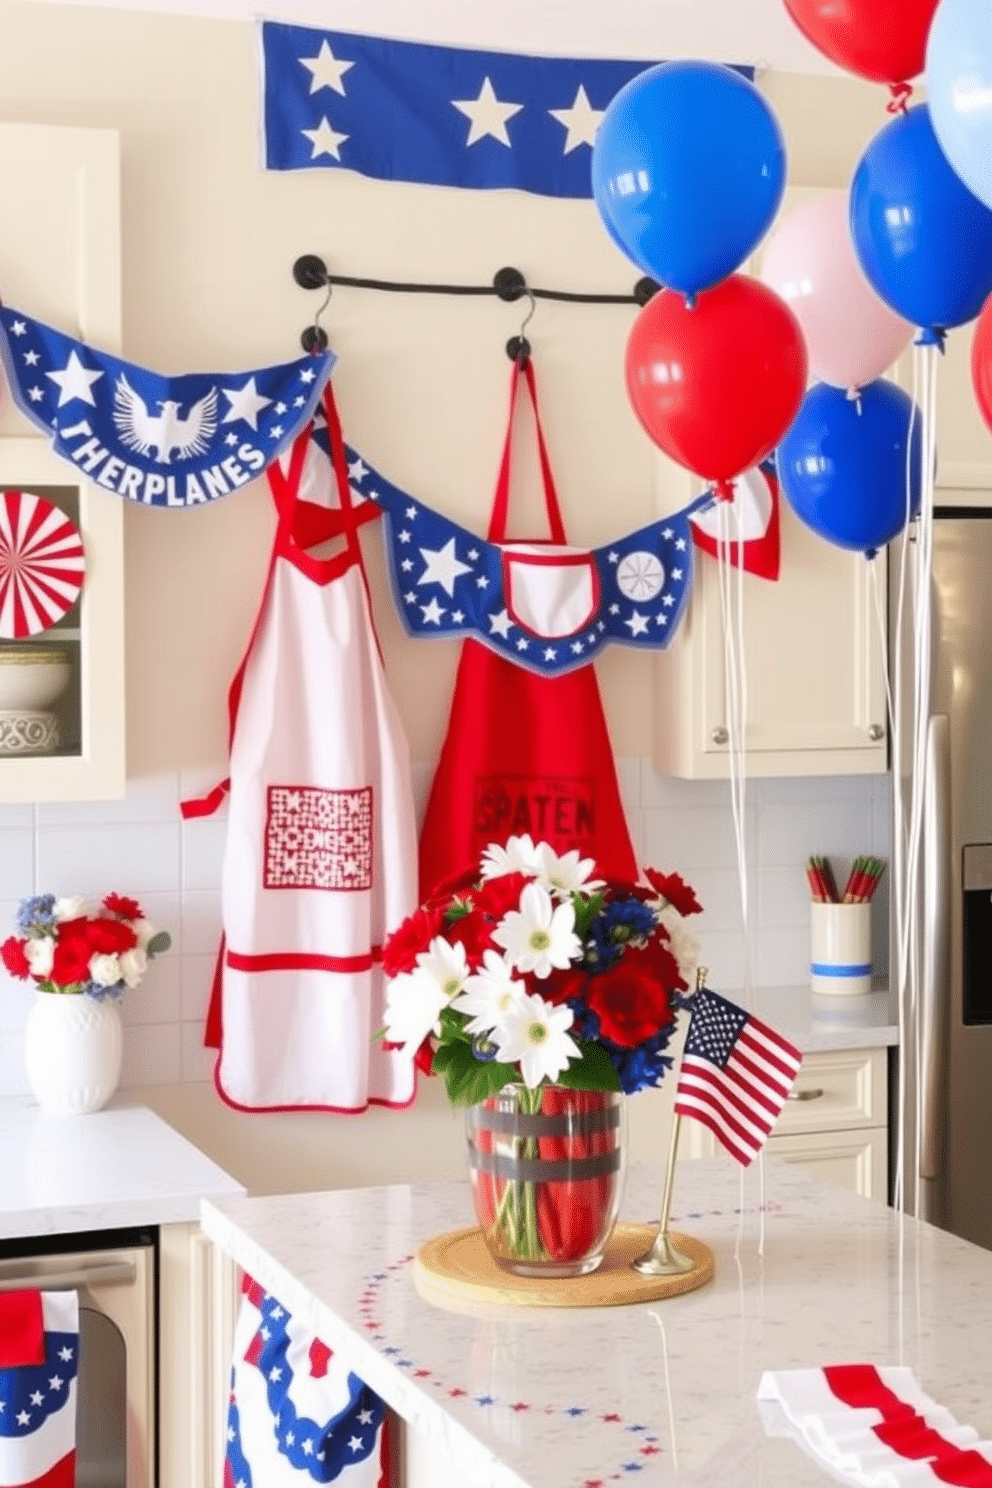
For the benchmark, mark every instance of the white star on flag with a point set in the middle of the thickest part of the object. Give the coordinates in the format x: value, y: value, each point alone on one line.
x: 443, y: 567
x: 488, y: 115
x: 325, y: 70
x: 246, y: 403
x: 500, y: 624
x: 432, y: 612
x: 581, y: 121
x: 74, y: 381
x: 325, y: 140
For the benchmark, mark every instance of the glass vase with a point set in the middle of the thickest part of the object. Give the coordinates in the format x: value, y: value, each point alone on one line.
x: 547, y: 1169
x: 72, y: 1051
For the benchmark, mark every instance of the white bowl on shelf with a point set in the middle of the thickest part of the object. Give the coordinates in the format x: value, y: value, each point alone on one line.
x: 32, y: 677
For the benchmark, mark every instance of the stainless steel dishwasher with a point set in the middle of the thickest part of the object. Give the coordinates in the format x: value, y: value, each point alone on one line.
x: 115, y: 1273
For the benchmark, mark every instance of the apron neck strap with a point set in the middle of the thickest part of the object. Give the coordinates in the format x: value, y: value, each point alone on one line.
x: 285, y: 487
x: 501, y: 502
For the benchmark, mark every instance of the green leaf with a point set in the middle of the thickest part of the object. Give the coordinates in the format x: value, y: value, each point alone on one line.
x: 159, y: 943
x: 594, y: 1071
x: 481, y: 1081
x: 587, y: 907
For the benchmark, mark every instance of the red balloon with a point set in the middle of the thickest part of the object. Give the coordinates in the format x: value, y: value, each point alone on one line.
x: 717, y: 386
x: 981, y: 361
x: 883, y: 40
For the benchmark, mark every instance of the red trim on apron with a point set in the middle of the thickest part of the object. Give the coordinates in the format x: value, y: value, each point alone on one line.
x: 300, y: 961
x: 511, y: 557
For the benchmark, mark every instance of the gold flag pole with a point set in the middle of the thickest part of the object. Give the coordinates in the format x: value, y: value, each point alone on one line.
x: 663, y: 1259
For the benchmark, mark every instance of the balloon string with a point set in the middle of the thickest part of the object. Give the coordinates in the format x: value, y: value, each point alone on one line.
x: 901, y: 94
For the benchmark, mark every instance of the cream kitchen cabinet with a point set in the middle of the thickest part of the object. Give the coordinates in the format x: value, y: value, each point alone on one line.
x: 814, y: 650
x: 835, y: 1124
x: 62, y: 687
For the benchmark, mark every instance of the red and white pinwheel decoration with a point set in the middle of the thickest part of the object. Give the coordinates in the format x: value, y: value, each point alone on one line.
x: 42, y: 564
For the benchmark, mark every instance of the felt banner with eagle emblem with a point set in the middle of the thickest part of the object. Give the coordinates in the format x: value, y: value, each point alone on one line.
x: 168, y: 441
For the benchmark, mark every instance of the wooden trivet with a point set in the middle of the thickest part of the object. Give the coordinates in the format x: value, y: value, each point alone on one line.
x: 459, y: 1265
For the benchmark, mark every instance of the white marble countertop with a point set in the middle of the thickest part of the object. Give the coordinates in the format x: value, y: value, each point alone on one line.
x: 109, y: 1169
x: 584, y: 1398
x: 867, y: 1020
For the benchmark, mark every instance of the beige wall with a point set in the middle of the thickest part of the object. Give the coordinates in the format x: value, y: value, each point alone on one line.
x: 209, y: 243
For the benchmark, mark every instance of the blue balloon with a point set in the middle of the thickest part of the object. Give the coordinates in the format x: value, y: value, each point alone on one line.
x: 923, y: 240
x: 959, y: 90
x: 842, y: 465
x: 688, y: 171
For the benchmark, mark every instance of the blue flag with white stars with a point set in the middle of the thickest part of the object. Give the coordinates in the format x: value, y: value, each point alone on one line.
x: 173, y: 441
x: 441, y: 116
x: 548, y: 608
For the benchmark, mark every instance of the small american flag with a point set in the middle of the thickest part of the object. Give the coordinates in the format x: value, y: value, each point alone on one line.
x: 736, y: 1074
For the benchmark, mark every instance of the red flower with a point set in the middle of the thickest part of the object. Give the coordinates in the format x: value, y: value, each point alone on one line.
x: 71, y: 960
x: 12, y: 953
x: 630, y: 1000
x: 474, y: 933
x: 563, y: 986
x: 672, y: 887
x: 402, y: 948
x: 120, y: 904
x: 110, y: 937
x: 496, y: 895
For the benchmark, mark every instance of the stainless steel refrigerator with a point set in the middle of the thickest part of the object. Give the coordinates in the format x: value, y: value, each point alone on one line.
x: 954, y: 1161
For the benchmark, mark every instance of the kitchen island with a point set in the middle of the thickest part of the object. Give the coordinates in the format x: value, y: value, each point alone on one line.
x: 664, y: 1392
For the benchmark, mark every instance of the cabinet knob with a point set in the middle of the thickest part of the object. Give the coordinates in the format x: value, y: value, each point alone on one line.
x: 720, y: 735
x: 876, y: 732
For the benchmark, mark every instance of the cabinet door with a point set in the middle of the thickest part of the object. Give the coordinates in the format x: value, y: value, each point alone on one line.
x: 814, y: 649
x: 62, y: 686
x: 856, y: 1160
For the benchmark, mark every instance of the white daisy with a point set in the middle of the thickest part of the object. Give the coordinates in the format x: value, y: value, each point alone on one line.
x: 566, y: 873
x: 683, y: 946
x: 533, y: 1033
x: 519, y: 855
x: 489, y: 994
x: 540, y: 935
x: 415, y: 999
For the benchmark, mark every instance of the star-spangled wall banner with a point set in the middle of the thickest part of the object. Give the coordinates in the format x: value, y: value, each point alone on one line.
x: 546, y: 608
x: 169, y: 441
x: 441, y: 116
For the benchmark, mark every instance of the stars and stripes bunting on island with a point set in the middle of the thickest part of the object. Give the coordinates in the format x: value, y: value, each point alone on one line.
x: 297, y: 1414
x: 437, y: 115
x: 736, y: 1074
x: 39, y: 1363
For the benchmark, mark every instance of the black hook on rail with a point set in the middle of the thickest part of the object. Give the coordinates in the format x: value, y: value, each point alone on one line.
x: 508, y: 284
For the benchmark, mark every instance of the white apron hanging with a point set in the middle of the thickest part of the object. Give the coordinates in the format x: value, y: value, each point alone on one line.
x: 321, y: 854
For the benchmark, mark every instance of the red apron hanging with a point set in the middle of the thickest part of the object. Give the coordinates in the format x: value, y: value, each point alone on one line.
x: 320, y: 859
x: 524, y: 753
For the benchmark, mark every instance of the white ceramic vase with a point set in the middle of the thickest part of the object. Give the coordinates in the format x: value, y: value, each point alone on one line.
x: 72, y: 1051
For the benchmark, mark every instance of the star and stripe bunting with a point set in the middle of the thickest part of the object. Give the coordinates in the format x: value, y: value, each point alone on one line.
x: 297, y: 1414
x: 171, y: 441
x: 38, y: 1392
x: 736, y: 1074
x: 437, y: 115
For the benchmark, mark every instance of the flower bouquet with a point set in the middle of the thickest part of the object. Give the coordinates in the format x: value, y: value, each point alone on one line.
x: 68, y: 947
x: 542, y: 994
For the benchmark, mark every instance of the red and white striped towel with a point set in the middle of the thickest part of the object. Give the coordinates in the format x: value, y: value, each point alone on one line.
x: 874, y: 1426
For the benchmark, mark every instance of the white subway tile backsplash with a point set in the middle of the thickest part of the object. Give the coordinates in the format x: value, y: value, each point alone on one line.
x: 152, y: 1054
x: 127, y: 858
x: 16, y: 863
x: 141, y: 846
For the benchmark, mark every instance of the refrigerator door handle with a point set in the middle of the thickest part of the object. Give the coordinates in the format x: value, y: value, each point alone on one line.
x: 935, y: 991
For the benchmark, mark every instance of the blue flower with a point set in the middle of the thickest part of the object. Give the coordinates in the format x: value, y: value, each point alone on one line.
x: 36, y: 915
x: 620, y: 924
